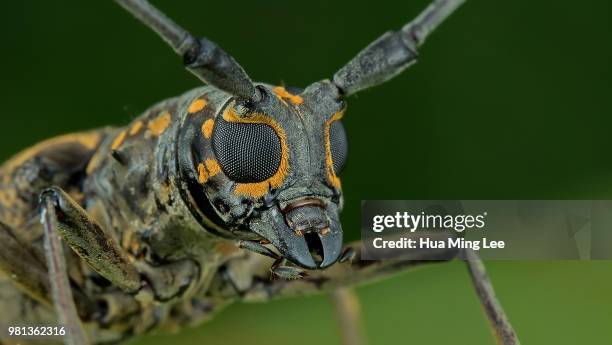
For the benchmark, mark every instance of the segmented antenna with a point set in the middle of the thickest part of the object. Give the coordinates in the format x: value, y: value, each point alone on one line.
x: 392, y: 52
x: 202, y: 57
x: 430, y: 19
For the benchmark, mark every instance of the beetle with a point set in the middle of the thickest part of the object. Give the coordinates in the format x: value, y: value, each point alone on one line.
x: 190, y: 206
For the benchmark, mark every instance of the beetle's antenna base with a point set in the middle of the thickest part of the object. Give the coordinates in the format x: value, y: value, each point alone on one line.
x: 202, y: 57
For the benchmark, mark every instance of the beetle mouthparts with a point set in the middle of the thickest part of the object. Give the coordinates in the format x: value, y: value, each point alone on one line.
x: 308, y: 218
x: 303, y: 232
x: 304, y: 202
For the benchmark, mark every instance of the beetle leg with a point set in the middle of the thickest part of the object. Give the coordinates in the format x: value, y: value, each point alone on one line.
x: 58, y: 276
x: 500, y: 325
x: 90, y: 242
x: 18, y: 263
x: 115, y: 306
x: 170, y: 280
x: 24, y: 268
x: 87, y: 238
x: 282, y: 270
x: 280, y: 267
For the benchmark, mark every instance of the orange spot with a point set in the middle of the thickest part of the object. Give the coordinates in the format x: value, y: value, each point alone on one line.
x: 282, y: 93
x: 259, y: 189
x: 207, y: 128
x: 203, y: 174
x: 135, y: 127
x: 331, y: 174
x: 158, y: 125
x: 253, y: 190
x: 197, y: 105
x: 212, y: 166
x: 208, y: 169
x: 118, y: 140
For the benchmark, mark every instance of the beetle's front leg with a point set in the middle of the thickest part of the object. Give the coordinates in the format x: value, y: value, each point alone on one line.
x: 102, y: 252
x: 500, y: 325
x: 58, y: 276
x: 87, y: 238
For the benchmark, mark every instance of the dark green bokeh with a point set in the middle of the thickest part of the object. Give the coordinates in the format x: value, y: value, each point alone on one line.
x: 511, y: 100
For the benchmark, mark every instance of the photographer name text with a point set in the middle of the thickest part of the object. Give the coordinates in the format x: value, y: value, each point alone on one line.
x: 407, y: 222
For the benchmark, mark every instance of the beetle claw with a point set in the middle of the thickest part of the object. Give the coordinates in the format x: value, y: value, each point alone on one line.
x: 288, y: 272
x: 281, y: 270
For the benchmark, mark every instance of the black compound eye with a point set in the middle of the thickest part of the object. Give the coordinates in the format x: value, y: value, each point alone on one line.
x: 338, y: 144
x: 246, y: 152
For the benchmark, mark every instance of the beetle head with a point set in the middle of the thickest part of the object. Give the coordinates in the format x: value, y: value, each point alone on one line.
x: 267, y: 162
x: 268, y: 170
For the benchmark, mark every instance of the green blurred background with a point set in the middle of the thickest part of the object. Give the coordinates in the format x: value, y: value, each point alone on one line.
x: 511, y: 100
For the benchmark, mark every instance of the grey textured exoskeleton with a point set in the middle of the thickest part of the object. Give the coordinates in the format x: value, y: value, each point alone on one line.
x: 194, y: 203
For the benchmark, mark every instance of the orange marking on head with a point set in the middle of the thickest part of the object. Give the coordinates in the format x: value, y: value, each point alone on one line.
x: 208, y: 169
x: 158, y: 125
x: 253, y: 190
x: 212, y: 166
x: 281, y: 92
x: 202, y: 174
x: 259, y: 189
x: 135, y: 127
x: 118, y: 140
x: 207, y: 128
x: 331, y: 174
x: 197, y: 105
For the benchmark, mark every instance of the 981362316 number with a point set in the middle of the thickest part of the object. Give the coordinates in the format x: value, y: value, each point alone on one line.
x: 36, y: 331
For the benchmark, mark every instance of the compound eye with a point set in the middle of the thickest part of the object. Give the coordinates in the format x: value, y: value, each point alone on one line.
x: 338, y: 144
x: 246, y: 152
